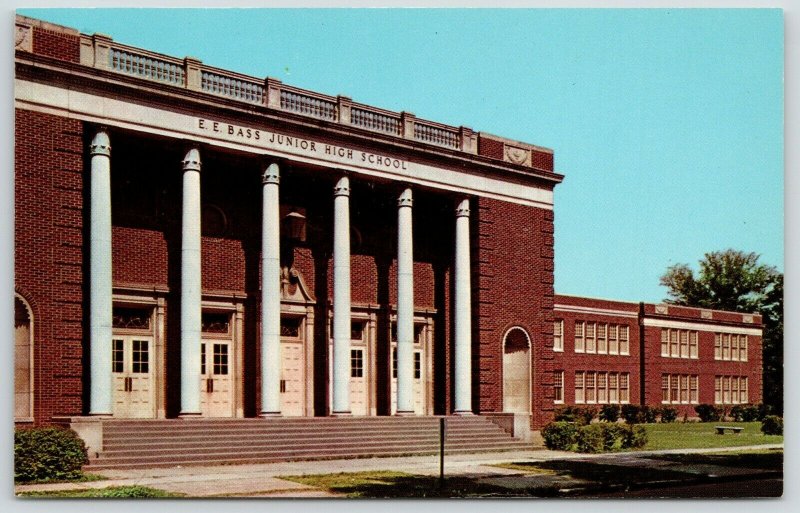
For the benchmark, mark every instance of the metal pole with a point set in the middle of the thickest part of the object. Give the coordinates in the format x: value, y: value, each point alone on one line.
x: 441, y: 451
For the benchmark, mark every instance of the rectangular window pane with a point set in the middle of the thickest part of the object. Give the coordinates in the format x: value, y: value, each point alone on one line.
x: 717, y: 346
x: 693, y: 344
x: 579, y: 345
x: 684, y: 383
x: 624, y: 396
x: 673, y: 343
x: 734, y: 389
x: 417, y: 365
x: 290, y: 327
x: 558, y: 336
x: 693, y: 395
x: 613, y: 383
x: 726, y: 346
x: 602, y: 388
x: 664, y: 342
x: 356, y: 363
x: 117, y: 355
x: 220, y: 359
x: 743, y: 348
x: 665, y: 388
x: 202, y: 359
x: 357, y: 330
x: 558, y: 386
x: 394, y: 363
x: 590, y: 387
x: 623, y: 340
x: 684, y: 337
x: 141, y: 357
x: 590, y: 338
x: 743, y: 398
x: 602, y: 342
x: 734, y: 347
x: 726, y: 389
x: 674, y: 388
x: 579, y: 395
x: 613, y: 342
x: 718, y: 390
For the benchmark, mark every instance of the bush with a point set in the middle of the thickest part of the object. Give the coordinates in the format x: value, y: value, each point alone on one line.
x: 708, y: 412
x: 633, y: 437
x: 560, y: 436
x: 575, y: 414
x: 609, y: 413
x: 630, y: 412
x: 647, y: 415
x: 745, y: 413
x: 591, y: 438
x: 47, y: 454
x: 772, y: 425
x: 764, y: 410
x: 668, y: 414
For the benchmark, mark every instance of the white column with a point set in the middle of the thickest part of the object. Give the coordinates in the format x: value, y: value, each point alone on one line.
x: 270, y: 295
x: 341, y: 297
x: 405, y: 305
x: 190, y: 286
x: 463, y: 317
x: 100, y: 302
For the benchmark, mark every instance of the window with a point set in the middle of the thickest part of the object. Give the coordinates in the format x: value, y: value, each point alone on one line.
x: 357, y: 330
x: 290, y: 327
x: 579, y: 345
x: 220, y: 360
x: 679, y: 343
x: 558, y: 387
x: 679, y: 388
x: 212, y: 322
x: 613, y: 391
x: 591, y: 343
x: 624, y: 393
x: 141, y: 358
x: 624, y: 344
x: 730, y: 390
x: 356, y: 363
x: 590, y: 388
x: 117, y: 355
x: 613, y: 341
x: 602, y: 341
x: 602, y: 387
x: 394, y: 363
x: 417, y: 365
x: 558, y: 335
x: 202, y: 359
x: 579, y: 395
x: 730, y: 347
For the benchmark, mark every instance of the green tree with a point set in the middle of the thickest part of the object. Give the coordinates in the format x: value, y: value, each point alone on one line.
x: 735, y: 280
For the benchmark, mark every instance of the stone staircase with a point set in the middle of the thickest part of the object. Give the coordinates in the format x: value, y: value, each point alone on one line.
x: 165, y: 443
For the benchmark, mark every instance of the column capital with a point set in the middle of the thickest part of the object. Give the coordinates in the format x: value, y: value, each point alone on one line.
x: 271, y: 174
x: 342, y: 187
x: 406, y: 198
x: 462, y: 209
x: 100, y: 145
x: 191, y: 162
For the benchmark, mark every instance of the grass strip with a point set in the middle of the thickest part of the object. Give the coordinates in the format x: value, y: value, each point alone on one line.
x: 112, y: 492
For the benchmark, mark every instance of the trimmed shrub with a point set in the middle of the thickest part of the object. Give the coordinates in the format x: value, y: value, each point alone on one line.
x: 708, y: 412
x: 612, y: 436
x: 668, y: 414
x: 764, y: 410
x: 630, y: 412
x: 591, y: 438
x: 575, y: 414
x: 750, y: 413
x: 560, y: 436
x: 772, y: 425
x: 609, y: 413
x: 48, y: 454
x: 647, y: 415
x: 633, y: 437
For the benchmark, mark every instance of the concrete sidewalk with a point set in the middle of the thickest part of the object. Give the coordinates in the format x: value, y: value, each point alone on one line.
x: 261, y: 480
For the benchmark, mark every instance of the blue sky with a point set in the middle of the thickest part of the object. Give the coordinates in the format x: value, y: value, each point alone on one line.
x: 668, y: 124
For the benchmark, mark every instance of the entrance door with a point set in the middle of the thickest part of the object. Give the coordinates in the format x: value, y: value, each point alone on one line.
x: 215, y: 379
x: 133, y: 387
x: 419, y: 369
x: 292, y: 382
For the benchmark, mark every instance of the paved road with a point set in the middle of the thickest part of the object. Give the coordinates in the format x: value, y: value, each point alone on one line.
x: 733, y: 489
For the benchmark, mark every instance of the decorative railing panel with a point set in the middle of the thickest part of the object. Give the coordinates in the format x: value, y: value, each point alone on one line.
x: 245, y: 90
x: 145, y: 66
x: 375, y: 121
x: 307, y: 104
x: 440, y: 136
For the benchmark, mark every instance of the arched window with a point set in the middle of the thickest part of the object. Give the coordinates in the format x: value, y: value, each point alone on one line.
x: 516, y: 371
x: 23, y: 360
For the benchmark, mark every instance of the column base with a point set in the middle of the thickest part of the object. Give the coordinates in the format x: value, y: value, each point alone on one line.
x: 409, y: 413
x: 463, y: 413
x: 341, y: 414
x: 190, y: 415
x: 270, y: 414
x: 101, y: 415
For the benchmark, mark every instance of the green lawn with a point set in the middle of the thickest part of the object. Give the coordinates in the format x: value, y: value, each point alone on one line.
x: 701, y: 435
x: 112, y: 492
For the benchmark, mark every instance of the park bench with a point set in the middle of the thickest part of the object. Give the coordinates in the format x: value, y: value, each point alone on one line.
x: 734, y: 429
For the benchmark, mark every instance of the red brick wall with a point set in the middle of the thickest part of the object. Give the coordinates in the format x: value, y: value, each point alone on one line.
x: 62, y: 46
x: 490, y: 148
x: 48, y: 239
x: 569, y: 361
x: 512, y: 286
x: 542, y: 160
